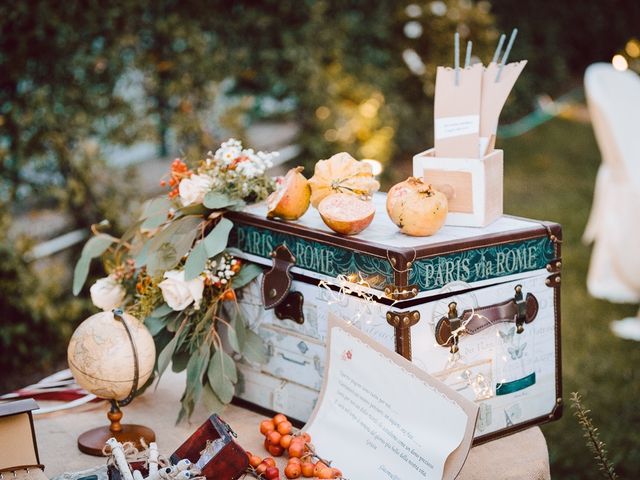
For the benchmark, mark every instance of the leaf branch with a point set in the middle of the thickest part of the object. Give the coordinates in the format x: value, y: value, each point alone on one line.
x: 590, y: 432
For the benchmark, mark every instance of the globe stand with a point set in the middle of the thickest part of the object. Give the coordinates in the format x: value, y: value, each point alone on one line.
x: 92, y: 441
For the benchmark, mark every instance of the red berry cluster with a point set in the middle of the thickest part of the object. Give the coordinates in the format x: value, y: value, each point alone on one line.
x: 280, y: 438
x: 266, y: 468
x: 179, y: 170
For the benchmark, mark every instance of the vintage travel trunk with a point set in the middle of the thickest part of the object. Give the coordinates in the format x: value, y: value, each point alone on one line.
x: 478, y: 308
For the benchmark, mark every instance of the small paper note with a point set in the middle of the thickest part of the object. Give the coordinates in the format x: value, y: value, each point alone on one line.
x: 381, y: 417
x: 448, y: 127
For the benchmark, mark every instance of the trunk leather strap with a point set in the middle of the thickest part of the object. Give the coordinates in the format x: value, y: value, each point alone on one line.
x: 516, y: 311
x: 277, y: 281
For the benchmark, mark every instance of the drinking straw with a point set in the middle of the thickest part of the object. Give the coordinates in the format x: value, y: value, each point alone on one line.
x: 467, y: 57
x: 496, y: 54
x: 503, y: 62
x: 456, y: 56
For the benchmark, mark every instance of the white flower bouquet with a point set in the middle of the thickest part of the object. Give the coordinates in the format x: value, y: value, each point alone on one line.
x: 173, y: 270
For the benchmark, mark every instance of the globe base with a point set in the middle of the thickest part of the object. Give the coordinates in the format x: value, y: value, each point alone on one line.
x: 93, y: 441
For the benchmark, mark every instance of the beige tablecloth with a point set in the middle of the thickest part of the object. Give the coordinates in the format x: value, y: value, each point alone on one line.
x: 520, y: 456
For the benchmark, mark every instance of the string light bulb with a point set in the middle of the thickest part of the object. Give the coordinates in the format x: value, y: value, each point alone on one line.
x: 619, y: 63
x: 633, y: 48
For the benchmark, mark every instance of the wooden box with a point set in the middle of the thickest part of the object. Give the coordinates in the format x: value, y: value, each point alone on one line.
x: 229, y: 463
x: 19, y: 457
x: 473, y: 186
x: 419, y: 289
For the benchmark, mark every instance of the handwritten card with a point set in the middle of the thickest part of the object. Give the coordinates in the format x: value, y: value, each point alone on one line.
x: 381, y: 417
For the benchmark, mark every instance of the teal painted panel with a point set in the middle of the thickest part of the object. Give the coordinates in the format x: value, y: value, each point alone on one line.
x: 470, y: 266
x: 482, y: 263
x: 317, y: 257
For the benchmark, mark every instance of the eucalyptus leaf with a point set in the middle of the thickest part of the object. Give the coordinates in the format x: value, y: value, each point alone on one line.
x: 161, y: 340
x: 179, y: 360
x: 239, y: 326
x: 229, y: 366
x: 185, y: 235
x: 247, y: 273
x: 232, y: 337
x: 131, y: 232
x: 141, y: 257
x: 164, y: 258
x: 217, y: 200
x: 177, y: 228
x: 162, y: 311
x: 218, y: 238
x: 155, y: 324
x: 211, y: 400
x: 168, y: 246
x: 94, y: 247
x: 173, y: 323
x: 196, y: 369
x: 196, y: 209
x: 187, y: 403
x: 196, y: 261
x: 237, y: 206
x: 80, y: 274
x: 254, y: 349
x: 97, y: 245
x: 220, y: 383
x: 183, y: 333
x: 165, y: 356
x: 155, y: 206
x: 154, y: 221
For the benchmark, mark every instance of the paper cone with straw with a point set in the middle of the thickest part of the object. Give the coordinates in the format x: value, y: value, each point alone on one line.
x: 457, y: 107
x: 498, y: 79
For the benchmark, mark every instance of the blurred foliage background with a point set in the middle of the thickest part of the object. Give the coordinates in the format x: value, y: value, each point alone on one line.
x: 81, y: 83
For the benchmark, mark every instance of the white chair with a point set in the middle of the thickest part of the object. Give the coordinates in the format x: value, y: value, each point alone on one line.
x: 613, y: 98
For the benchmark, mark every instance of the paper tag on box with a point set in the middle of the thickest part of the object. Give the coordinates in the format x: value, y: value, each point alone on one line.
x: 448, y: 127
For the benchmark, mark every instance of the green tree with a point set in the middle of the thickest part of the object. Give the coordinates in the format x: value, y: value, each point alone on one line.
x: 561, y: 40
x: 58, y: 104
x: 342, y: 63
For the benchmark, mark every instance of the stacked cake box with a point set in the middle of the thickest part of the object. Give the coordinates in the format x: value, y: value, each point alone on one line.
x: 478, y: 308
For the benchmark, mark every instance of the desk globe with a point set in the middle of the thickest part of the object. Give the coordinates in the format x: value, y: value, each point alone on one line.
x: 112, y: 354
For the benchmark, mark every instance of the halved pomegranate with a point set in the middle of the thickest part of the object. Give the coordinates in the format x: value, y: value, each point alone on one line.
x: 291, y: 200
x: 346, y: 214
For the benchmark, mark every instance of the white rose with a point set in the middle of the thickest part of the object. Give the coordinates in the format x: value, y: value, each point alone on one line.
x: 107, y: 293
x: 193, y: 189
x: 180, y: 294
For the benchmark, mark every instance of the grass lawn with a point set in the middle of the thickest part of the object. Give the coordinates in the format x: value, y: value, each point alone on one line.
x: 550, y: 175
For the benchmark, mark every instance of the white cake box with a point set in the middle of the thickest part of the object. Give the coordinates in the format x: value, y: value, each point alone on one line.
x: 500, y: 283
x: 473, y: 185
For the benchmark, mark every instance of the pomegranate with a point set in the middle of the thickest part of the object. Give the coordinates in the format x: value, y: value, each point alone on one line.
x: 291, y: 200
x: 342, y: 174
x: 343, y: 213
x: 417, y: 208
